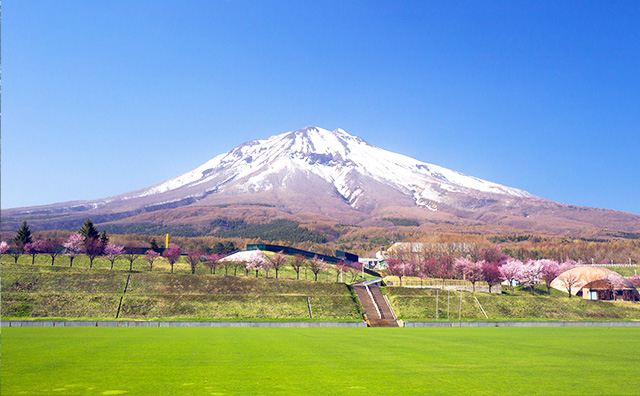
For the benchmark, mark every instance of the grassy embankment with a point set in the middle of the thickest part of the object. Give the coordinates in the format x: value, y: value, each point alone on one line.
x: 45, y: 291
x: 322, y: 361
x: 415, y: 304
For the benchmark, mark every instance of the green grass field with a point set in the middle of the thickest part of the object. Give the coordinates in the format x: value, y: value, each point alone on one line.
x: 323, y: 361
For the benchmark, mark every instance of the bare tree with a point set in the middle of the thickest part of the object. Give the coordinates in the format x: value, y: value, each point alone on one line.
x: 569, y: 280
x: 297, y: 262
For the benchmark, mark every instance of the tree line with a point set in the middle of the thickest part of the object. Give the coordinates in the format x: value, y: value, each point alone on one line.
x: 490, y: 265
x: 93, y: 244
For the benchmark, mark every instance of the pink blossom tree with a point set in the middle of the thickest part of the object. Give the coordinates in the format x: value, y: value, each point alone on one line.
x: 73, y: 247
x: 429, y: 268
x: 278, y: 261
x: 550, y: 271
x: 511, y: 271
x: 635, y: 280
x: 112, y: 252
x: 470, y: 270
x: 531, y: 274
x: 4, y: 248
x: 93, y: 248
x: 172, y: 255
x: 30, y: 248
x: 398, y: 268
x: 40, y: 246
x: 316, y: 265
x: 255, y: 264
x: 51, y: 248
x: 567, y: 265
x: 151, y: 256
x: 445, y: 268
x: 491, y: 274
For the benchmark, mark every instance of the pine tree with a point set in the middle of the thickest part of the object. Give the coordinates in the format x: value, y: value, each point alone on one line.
x: 104, y: 238
x: 154, y: 245
x: 23, y: 236
x: 88, y: 231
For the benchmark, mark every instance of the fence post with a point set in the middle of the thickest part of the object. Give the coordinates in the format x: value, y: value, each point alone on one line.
x: 437, y: 304
x: 460, y: 309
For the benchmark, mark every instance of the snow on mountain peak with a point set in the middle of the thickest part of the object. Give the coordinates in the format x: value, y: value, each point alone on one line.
x: 334, y: 156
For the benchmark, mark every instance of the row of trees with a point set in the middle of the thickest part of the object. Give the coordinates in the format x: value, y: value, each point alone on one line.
x: 492, y: 267
x: 277, y: 263
x: 88, y: 241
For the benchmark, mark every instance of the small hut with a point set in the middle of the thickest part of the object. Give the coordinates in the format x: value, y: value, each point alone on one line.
x: 596, y: 283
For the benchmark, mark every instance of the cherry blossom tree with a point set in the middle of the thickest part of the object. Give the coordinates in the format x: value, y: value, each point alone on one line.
x: 511, y: 271
x: 4, y: 248
x: 51, y: 248
x: 40, y: 246
x: 73, y: 247
x: 429, y: 268
x: 635, y: 280
x: 471, y: 271
x: 30, y: 248
x: 399, y: 268
x: 112, y: 252
x: 531, y: 274
x: 172, y: 255
x: 150, y: 256
x: 567, y: 265
x: 278, y: 261
x: 491, y: 274
x: 266, y: 266
x: 316, y: 265
x: 297, y: 262
x: 212, y: 261
x: 92, y: 248
x: 550, y: 271
x: 254, y: 264
x: 445, y: 268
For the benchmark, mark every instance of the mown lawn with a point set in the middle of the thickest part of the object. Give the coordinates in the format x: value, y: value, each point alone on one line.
x: 321, y: 361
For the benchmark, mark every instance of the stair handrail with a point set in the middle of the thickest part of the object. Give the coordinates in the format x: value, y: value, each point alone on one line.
x: 373, y: 300
x: 390, y: 307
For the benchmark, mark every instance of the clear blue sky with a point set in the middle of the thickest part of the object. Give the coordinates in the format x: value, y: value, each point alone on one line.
x: 104, y: 97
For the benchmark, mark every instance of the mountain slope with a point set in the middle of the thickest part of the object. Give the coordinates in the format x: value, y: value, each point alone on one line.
x: 314, y: 173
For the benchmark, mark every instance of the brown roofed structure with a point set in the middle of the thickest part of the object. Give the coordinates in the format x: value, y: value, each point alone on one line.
x: 596, y: 283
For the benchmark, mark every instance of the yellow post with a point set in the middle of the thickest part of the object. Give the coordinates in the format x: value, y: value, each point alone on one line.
x: 166, y: 244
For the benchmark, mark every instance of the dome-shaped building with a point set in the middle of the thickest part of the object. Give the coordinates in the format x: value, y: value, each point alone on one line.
x: 596, y: 283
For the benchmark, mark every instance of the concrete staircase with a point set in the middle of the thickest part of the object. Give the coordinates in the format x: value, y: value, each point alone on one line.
x: 376, y: 307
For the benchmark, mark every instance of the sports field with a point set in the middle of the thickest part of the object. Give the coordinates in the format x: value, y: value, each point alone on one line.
x: 322, y: 361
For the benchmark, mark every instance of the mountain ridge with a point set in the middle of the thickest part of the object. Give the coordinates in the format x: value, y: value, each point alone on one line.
x: 332, y: 175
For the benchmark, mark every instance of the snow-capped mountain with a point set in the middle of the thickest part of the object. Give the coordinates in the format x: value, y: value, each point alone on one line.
x: 341, y: 160
x: 313, y: 173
